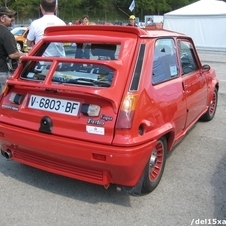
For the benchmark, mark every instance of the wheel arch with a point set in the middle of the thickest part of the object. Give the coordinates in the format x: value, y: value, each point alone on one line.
x: 215, y: 85
x: 169, y: 139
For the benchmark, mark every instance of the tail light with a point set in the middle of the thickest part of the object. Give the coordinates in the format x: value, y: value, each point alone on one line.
x: 4, y: 91
x: 126, y: 112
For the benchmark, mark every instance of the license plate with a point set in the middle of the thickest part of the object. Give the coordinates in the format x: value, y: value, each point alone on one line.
x: 61, y: 106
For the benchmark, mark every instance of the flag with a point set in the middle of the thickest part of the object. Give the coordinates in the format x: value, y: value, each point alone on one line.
x: 132, y: 6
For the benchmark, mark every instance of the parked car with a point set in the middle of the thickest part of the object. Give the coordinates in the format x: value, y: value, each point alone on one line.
x: 118, y: 23
x: 141, y: 24
x: 18, y: 25
x: 20, y: 34
x: 109, y: 116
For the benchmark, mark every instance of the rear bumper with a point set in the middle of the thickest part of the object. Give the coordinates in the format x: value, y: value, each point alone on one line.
x: 74, y: 158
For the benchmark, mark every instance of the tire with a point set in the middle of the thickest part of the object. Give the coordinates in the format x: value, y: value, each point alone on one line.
x: 19, y: 47
x: 209, y: 115
x: 155, y: 166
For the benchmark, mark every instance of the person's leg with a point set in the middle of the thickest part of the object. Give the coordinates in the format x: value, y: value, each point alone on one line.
x: 3, y: 77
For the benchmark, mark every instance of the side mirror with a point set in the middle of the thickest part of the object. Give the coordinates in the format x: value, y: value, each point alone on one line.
x: 206, y: 67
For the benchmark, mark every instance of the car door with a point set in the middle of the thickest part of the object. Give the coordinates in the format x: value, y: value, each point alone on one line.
x: 167, y: 84
x: 194, y: 83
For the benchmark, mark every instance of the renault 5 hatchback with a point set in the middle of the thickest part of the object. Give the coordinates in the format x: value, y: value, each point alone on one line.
x: 110, y: 110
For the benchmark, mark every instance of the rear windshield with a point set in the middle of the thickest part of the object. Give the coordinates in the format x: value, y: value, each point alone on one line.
x: 65, y: 68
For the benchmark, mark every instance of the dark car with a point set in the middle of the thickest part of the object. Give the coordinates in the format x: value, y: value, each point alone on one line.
x: 109, y: 116
x: 118, y: 23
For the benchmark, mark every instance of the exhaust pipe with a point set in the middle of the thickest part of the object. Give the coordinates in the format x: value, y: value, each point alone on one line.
x: 7, y: 154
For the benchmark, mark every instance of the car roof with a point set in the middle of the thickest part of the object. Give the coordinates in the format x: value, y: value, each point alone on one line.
x: 140, y: 32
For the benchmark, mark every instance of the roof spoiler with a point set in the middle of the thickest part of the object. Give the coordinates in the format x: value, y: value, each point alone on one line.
x: 75, y: 28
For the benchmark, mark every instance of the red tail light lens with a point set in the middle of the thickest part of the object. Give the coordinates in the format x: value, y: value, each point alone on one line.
x: 127, y: 110
x: 4, y: 91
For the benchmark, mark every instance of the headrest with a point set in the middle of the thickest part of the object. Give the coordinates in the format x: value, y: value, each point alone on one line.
x: 106, y: 50
x: 163, y: 48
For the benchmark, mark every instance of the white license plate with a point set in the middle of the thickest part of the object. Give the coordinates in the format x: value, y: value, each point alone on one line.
x: 61, y: 106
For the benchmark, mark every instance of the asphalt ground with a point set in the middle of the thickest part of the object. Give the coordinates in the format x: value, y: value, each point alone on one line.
x: 192, y: 190
x: 212, y: 56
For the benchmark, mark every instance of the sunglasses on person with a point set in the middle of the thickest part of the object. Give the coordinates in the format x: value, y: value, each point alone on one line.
x: 8, y: 16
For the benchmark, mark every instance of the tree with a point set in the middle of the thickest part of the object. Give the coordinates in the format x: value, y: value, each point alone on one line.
x: 96, y: 9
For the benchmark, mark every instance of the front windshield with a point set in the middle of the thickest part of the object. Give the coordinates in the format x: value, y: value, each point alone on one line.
x: 18, y: 31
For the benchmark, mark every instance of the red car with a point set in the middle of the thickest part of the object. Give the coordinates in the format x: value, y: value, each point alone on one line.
x: 109, y: 111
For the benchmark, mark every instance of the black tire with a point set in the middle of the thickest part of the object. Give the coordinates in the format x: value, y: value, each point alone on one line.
x: 209, y: 115
x: 155, y: 166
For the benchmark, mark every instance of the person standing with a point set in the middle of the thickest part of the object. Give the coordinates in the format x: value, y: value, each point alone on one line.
x: 8, y: 48
x: 78, y: 22
x: 132, y: 21
x: 83, y: 50
x: 150, y: 23
x: 38, y: 26
x: 85, y: 20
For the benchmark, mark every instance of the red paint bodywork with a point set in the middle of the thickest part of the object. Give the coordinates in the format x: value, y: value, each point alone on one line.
x: 119, y: 156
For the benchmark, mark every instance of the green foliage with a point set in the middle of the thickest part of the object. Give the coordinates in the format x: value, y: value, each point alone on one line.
x: 106, y: 10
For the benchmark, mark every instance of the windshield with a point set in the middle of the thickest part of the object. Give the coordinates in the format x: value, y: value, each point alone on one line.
x: 18, y: 31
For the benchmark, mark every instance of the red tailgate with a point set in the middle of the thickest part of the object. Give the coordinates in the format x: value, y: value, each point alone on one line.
x: 72, y: 96
x: 37, y: 112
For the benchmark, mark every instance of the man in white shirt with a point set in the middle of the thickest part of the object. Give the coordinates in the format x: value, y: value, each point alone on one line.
x: 37, y: 27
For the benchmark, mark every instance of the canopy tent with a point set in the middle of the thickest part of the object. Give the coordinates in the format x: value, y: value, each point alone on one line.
x: 204, y: 21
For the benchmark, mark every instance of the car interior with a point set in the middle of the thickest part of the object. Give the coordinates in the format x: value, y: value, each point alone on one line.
x: 77, y: 73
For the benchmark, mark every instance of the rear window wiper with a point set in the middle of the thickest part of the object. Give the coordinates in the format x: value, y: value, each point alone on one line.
x: 85, y: 81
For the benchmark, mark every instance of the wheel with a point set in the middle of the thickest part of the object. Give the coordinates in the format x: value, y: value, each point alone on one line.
x: 208, y: 116
x: 155, y: 166
x: 19, y: 47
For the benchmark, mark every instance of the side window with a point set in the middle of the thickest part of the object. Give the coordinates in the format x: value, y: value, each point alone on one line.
x: 187, y: 57
x: 165, y: 66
